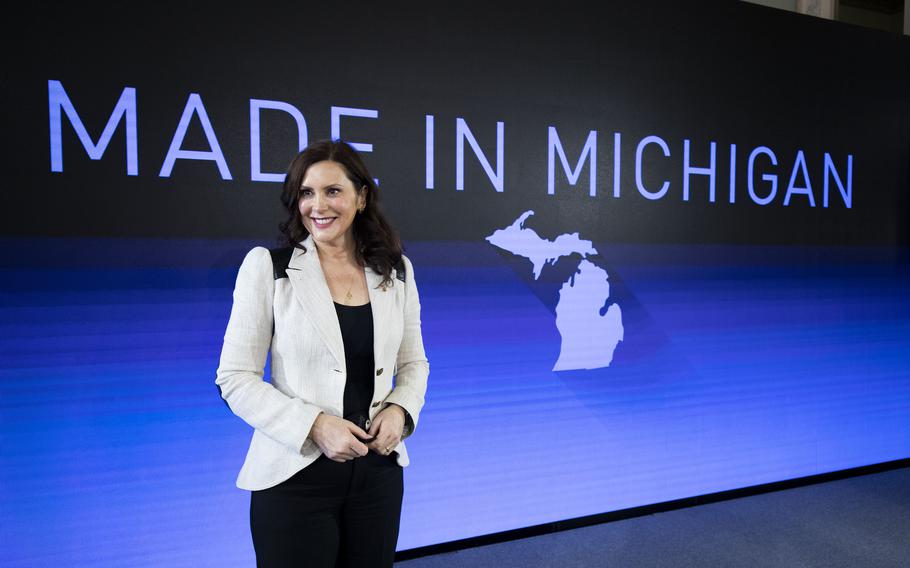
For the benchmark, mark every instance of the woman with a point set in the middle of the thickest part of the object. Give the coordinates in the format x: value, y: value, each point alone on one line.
x: 340, y: 313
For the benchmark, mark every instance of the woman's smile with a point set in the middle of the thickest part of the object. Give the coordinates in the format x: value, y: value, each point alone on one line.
x: 322, y: 222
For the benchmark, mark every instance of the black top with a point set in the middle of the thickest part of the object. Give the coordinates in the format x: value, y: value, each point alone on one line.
x: 357, y: 333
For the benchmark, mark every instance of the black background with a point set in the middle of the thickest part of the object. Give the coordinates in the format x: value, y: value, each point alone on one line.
x: 722, y: 71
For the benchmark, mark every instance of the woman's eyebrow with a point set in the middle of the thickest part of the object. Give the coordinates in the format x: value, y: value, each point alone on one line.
x: 331, y: 185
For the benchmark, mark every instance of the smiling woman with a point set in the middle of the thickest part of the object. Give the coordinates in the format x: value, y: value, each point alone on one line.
x: 325, y: 463
x: 328, y: 181
x: 328, y: 203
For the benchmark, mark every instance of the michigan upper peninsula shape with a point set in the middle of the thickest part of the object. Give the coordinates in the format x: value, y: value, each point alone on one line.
x: 589, y: 338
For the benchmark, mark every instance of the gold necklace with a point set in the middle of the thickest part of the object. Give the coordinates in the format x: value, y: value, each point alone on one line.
x: 347, y: 297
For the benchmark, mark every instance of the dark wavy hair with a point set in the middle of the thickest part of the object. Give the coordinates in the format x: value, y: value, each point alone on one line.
x: 376, y: 242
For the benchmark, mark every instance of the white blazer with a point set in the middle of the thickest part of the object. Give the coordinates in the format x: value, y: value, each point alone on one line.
x: 295, y: 316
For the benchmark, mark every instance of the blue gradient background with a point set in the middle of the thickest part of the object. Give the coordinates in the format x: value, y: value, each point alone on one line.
x: 741, y: 365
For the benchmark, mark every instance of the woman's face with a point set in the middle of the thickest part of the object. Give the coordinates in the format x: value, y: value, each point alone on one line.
x: 328, y: 202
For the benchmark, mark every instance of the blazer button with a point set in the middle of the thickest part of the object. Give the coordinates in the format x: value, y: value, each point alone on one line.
x: 379, y: 371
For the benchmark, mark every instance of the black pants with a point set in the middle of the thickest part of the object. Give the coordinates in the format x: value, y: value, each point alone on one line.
x: 330, y: 515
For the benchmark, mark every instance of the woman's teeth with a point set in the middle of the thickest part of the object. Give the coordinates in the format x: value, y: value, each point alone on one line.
x: 323, y: 221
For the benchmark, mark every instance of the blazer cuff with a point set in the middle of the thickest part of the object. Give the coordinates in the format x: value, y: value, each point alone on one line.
x: 309, y: 445
x: 408, y: 421
x: 410, y: 410
x: 293, y: 429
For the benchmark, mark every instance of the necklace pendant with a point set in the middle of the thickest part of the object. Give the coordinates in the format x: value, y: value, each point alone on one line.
x: 348, y: 297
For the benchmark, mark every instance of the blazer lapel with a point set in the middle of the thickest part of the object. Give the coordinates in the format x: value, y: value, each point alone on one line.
x: 381, y: 300
x: 312, y: 291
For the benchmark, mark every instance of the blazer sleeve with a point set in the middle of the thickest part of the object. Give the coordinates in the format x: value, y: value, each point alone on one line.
x: 246, y: 344
x: 412, y: 367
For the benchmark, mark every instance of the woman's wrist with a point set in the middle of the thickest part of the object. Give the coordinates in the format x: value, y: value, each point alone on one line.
x: 320, y: 418
x: 407, y: 421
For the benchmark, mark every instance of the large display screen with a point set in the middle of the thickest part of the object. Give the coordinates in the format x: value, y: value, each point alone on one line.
x: 658, y: 255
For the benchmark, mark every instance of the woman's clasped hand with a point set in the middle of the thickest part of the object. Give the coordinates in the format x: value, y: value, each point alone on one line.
x: 342, y: 440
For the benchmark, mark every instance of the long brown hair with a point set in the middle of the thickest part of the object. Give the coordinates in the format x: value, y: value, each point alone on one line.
x: 376, y: 242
